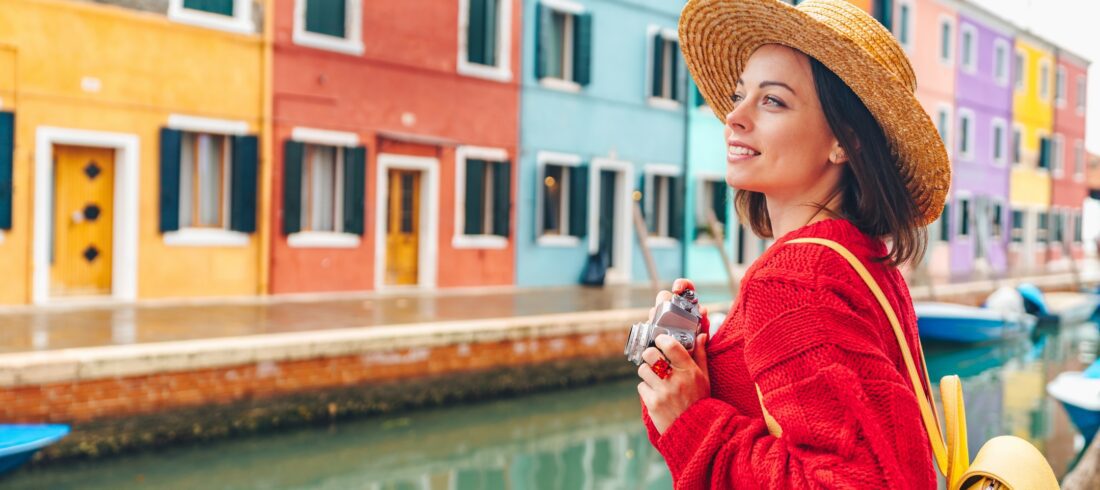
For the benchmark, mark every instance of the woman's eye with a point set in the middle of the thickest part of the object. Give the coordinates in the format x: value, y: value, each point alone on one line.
x: 774, y: 101
x: 736, y: 98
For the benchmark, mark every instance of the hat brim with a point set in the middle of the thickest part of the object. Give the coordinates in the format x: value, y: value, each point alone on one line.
x: 717, y: 38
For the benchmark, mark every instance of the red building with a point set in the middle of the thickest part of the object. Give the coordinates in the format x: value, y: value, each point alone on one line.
x: 395, y: 129
x: 1069, y: 159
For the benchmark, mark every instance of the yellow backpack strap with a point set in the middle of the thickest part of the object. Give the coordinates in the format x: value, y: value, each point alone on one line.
x: 954, y: 417
x: 927, y: 405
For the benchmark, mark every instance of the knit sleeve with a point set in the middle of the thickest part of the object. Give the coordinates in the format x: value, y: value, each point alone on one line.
x: 825, y: 378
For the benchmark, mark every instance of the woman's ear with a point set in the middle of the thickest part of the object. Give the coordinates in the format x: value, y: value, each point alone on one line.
x: 837, y: 155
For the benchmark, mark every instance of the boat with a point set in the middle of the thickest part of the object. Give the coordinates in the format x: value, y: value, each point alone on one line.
x: 1060, y: 308
x: 18, y: 442
x: 951, y: 322
x: 1079, y: 393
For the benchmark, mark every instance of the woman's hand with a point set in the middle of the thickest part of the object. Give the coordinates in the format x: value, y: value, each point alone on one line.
x: 688, y: 380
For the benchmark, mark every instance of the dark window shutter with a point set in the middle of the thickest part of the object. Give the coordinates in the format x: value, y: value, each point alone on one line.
x: 224, y: 7
x: 490, y: 33
x: 293, y: 152
x: 674, y: 67
x: 699, y: 100
x: 475, y: 197
x: 578, y: 200
x: 502, y: 199
x: 582, y: 49
x: 7, y: 156
x: 1044, y: 153
x: 676, y: 207
x: 169, y: 179
x: 641, y: 193
x: 718, y: 201
x: 355, y: 178
x: 543, y: 26
x: 657, y: 68
x: 327, y: 17
x: 244, y: 179
x: 475, y: 32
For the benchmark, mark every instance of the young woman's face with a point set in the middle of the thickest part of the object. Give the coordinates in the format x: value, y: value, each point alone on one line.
x: 777, y: 139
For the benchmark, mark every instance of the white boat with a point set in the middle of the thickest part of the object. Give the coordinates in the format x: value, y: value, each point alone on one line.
x: 1079, y: 392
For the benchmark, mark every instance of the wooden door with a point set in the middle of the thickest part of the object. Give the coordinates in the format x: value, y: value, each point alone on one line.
x: 83, y: 207
x: 403, y: 228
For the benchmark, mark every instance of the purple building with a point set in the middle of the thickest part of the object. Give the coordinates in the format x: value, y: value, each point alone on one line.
x: 982, y: 143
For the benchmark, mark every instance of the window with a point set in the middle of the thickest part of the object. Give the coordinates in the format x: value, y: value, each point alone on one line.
x: 1058, y: 220
x: 943, y: 123
x: 945, y: 223
x: 946, y: 46
x: 485, y: 28
x: 660, y: 201
x: 1080, y: 95
x: 555, y: 200
x: 713, y: 199
x: 663, y: 201
x: 1060, y: 86
x: 1021, y: 62
x: 1079, y: 160
x: 322, y: 189
x: 999, y: 141
x: 1017, y: 145
x: 664, y: 66
x: 324, y: 182
x: 964, y: 217
x: 1078, y: 223
x: 884, y: 12
x: 996, y: 229
x: 334, y: 25
x: 1000, y: 62
x: 562, y: 207
x: 1017, y: 226
x: 1045, y: 152
x: 564, y: 44
x: 966, y: 128
x: 204, y: 190
x: 1057, y: 155
x: 487, y: 198
x: 1044, y: 79
x: 905, y: 27
x: 226, y: 15
x: 1041, y: 232
x: 969, y: 48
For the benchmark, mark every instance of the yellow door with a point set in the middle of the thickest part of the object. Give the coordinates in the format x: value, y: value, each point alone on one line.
x: 403, y: 227
x: 83, y: 204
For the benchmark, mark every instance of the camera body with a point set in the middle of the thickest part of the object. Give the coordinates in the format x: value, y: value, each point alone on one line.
x: 678, y: 318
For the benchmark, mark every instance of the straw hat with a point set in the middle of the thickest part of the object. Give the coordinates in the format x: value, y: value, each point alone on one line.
x: 718, y: 36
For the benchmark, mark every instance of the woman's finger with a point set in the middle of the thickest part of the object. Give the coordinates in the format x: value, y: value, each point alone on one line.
x: 651, y: 355
x: 679, y: 285
x: 662, y: 297
x: 648, y: 376
x: 676, y: 354
x: 648, y: 394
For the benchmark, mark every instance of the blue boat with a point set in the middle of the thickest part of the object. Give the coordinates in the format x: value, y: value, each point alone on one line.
x: 951, y: 322
x: 1079, y: 392
x: 1060, y: 308
x: 20, y: 441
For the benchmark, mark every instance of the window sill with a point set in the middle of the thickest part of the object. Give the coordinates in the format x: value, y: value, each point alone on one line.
x: 663, y: 103
x: 201, y: 237
x: 564, y: 241
x: 494, y: 73
x: 1, y: 237
x: 322, y: 239
x: 490, y: 242
x: 329, y: 43
x: 240, y: 23
x: 559, y: 84
x: 662, y: 242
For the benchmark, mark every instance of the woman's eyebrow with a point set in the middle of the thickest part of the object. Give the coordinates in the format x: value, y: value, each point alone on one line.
x: 767, y: 83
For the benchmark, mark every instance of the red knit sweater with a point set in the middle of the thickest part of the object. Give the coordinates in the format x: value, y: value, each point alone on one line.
x: 808, y: 331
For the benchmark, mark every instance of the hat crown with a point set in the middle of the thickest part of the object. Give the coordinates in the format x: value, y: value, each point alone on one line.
x: 856, y: 25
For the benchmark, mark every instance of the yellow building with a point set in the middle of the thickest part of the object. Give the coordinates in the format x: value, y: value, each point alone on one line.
x: 135, y: 165
x: 1033, y: 123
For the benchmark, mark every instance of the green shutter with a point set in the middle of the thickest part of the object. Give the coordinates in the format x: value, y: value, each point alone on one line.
x: 578, y: 200
x: 718, y: 201
x: 658, y: 61
x: 543, y: 27
x: 475, y: 32
x: 641, y: 193
x: 676, y: 207
x: 293, y: 152
x: 243, y: 178
x: 490, y: 33
x: 502, y: 199
x: 328, y: 17
x: 1044, y: 153
x: 674, y: 67
x: 475, y: 197
x: 7, y: 154
x: 582, y: 49
x: 355, y: 181
x: 169, y: 179
x: 224, y: 7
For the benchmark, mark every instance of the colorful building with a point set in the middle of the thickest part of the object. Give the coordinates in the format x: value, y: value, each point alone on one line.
x: 602, y: 118
x: 395, y: 130
x: 136, y: 131
x: 1033, y: 125
x: 983, y: 116
x: 1069, y: 188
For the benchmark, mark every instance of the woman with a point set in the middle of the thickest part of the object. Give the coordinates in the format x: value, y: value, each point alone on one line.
x: 824, y: 139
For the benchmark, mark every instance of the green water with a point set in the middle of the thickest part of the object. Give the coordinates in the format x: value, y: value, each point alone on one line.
x: 587, y: 438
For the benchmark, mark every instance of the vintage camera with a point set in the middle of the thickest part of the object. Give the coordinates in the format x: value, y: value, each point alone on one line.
x: 678, y: 317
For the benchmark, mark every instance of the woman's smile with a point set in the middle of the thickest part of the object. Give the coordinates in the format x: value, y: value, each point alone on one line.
x: 739, y: 152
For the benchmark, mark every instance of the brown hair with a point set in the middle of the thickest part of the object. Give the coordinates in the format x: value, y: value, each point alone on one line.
x: 874, y: 196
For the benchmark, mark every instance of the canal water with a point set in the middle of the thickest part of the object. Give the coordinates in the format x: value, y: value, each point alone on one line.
x: 585, y: 438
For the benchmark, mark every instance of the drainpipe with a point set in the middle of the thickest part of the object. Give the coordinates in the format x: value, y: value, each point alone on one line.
x: 266, y: 147
x: 687, y: 132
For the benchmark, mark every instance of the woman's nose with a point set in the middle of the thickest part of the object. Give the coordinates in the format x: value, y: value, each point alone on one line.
x: 738, y: 118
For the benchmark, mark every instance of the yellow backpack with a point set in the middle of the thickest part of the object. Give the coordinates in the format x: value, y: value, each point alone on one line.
x: 1003, y: 463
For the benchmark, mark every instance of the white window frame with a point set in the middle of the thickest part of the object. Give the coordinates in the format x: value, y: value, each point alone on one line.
x: 1044, y: 81
x: 324, y: 239
x: 1079, y: 160
x: 909, y: 28
x: 1001, y: 46
x: 502, y: 72
x: 1057, y: 159
x: 948, y: 111
x: 542, y: 159
x: 1060, y: 86
x: 1017, y: 129
x: 703, y: 181
x: 1082, y: 94
x: 563, y: 84
x: 1019, y: 70
x: 950, y: 22
x: 972, y: 54
x: 967, y: 153
x: 669, y: 35
x: 1039, y: 135
x: 461, y: 240
x: 1000, y: 123
x: 665, y: 170
x: 994, y: 202
x: 207, y: 237
x: 240, y: 22
x: 961, y: 196
x: 352, y: 44
x: 1025, y: 214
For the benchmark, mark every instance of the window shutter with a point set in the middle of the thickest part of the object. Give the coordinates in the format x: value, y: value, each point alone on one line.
x: 1044, y: 153
x: 674, y: 67
x: 475, y: 32
x: 169, y: 179
x: 658, y: 58
x: 328, y: 17
x: 718, y: 201
x: 475, y: 197
x: 355, y: 177
x: 243, y: 179
x: 7, y: 154
x: 293, y: 152
x: 223, y: 7
x: 582, y: 49
x: 676, y: 207
x: 543, y: 27
x: 641, y: 193
x: 502, y: 199
x: 578, y: 200
x: 489, y: 33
